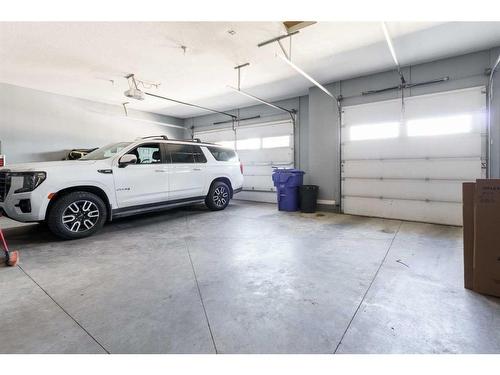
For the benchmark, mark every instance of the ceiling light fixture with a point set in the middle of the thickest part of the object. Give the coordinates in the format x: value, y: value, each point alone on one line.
x: 307, y: 76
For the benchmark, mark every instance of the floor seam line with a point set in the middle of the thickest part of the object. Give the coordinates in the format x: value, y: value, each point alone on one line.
x: 64, y: 310
x: 368, y: 289
x: 201, y: 298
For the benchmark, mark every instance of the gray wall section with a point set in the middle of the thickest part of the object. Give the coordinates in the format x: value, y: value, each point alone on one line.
x: 39, y: 126
x: 323, y: 142
x: 302, y: 137
x: 316, y: 136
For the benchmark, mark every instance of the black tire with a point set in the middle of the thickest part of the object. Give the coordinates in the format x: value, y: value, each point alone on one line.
x: 218, y: 196
x: 86, y: 208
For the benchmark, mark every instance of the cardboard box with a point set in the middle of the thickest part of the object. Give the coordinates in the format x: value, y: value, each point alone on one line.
x: 486, y: 265
x: 468, y: 189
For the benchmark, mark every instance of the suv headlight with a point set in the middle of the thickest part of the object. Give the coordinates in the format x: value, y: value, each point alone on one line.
x: 31, y: 180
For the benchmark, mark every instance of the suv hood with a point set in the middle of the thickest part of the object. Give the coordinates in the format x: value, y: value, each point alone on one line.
x: 48, y: 165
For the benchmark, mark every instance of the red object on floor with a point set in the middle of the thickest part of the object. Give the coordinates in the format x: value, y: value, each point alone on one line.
x: 11, y: 257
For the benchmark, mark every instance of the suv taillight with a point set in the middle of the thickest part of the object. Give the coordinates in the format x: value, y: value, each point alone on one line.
x: 241, y: 167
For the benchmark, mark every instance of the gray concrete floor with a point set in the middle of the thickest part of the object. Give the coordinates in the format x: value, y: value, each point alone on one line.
x: 248, y: 279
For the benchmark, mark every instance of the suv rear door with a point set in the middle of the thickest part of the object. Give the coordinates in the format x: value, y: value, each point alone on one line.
x: 186, y: 170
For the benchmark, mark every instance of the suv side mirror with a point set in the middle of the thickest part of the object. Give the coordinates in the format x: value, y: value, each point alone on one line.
x: 126, y: 160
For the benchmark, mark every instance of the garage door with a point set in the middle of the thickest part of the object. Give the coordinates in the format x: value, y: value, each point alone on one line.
x: 412, y: 166
x: 261, y: 147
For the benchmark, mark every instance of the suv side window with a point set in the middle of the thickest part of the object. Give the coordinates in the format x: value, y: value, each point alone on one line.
x: 147, y: 153
x: 180, y: 153
x: 199, y: 156
x: 223, y: 154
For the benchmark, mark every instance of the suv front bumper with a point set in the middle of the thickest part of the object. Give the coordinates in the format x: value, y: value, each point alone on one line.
x: 24, y: 207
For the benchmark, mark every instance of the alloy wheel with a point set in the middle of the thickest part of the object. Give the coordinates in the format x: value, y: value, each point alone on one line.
x: 80, y: 216
x: 220, y: 196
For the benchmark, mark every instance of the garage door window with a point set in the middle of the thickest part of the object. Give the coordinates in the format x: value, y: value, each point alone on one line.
x: 440, y: 125
x: 275, y: 142
x: 374, y: 131
x: 417, y: 172
x: 228, y: 144
x: 248, y: 144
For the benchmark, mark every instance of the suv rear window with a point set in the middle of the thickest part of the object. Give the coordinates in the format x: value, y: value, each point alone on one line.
x: 223, y: 154
x: 180, y: 153
x: 199, y: 156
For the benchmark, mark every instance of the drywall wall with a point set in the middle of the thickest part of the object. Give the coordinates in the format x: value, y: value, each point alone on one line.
x: 324, y: 162
x: 39, y: 126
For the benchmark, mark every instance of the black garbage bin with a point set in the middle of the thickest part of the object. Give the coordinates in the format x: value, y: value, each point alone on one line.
x: 308, y: 198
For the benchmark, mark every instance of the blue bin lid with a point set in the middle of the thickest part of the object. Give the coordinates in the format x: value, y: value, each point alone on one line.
x: 284, y: 175
x: 288, y: 170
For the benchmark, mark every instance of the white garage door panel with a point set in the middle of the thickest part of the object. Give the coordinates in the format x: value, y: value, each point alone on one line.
x: 457, y: 145
x: 257, y: 196
x: 387, y: 111
x: 265, y: 130
x: 448, y: 191
x: 445, y: 103
x: 460, y: 169
x: 269, y: 156
x: 258, y: 178
x: 419, y: 176
x: 431, y: 212
x: 257, y: 163
x: 260, y: 183
x: 214, y: 136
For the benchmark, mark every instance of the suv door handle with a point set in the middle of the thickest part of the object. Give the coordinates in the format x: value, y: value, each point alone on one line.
x: 159, y: 170
x: 196, y: 169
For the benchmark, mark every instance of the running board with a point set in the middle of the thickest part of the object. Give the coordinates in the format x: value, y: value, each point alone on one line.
x: 153, y: 207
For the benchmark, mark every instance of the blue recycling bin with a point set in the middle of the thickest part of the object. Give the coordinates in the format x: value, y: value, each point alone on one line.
x: 287, y: 182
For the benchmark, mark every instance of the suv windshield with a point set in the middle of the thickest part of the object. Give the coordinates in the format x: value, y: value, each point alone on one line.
x: 106, y: 151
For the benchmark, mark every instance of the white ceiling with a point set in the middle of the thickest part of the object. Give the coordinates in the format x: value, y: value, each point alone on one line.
x: 82, y: 59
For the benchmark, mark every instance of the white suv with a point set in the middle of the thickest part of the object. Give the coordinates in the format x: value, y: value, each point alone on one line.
x: 76, y: 197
